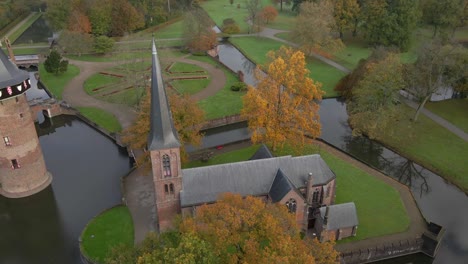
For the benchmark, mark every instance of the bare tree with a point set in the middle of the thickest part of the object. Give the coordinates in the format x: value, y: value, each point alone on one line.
x: 254, y: 8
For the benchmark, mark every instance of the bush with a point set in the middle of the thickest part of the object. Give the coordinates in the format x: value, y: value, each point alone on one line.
x: 239, y: 86
x: 230, y: 26
x: 54, y: 63
x: 103, y: 44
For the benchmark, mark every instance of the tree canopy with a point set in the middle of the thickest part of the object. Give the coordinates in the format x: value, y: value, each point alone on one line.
x: 198, y: 33
x: 232, y: 230
x: 54, y: 63
x: 284, y: 105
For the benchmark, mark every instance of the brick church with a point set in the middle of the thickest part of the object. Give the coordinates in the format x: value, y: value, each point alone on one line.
x: 304, y: 184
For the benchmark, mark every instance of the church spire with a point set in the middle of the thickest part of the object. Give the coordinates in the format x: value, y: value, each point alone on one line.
x: 162, y: 134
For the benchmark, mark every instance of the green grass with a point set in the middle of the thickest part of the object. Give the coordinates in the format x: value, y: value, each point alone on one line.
x: 455, y: 111
x: 170, y: 31
x: 109, y: 229
x: 101, y: 117
x: 179, y: 67
x: 379, y: 207
x: 56, y: 83
x: 190, y: 86
x: 28, y: 51
x: 256, y: 49
x: 220, y: 10
x: 98, y: 80
x: 15, y: 35
x: 430, y: 145
x: 225, y: 102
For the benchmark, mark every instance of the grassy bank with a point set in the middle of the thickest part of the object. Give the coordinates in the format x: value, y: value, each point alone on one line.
x: 455, y: 111
x: 256, y: 48
x: 109, y: 229
x: 379, y: 207
x: 430, y: 145
x: 15, y: 35
x: 101, y: 117
x: 56, y: 83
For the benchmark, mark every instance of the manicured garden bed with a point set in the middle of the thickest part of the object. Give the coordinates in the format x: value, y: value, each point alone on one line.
x: 56, y: 83
x: 109, y: 229
x: 101, y: 117
x: 379, y: 207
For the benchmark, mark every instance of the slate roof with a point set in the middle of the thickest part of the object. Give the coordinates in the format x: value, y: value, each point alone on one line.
x: 253, y: 177
x: 10, y: 74
x: 280, y: 187
x: 340, y: 215
x: 162, y: 133
x: 262, y: 153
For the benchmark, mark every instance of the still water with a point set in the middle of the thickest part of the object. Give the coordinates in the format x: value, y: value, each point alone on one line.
x: 38, y: 32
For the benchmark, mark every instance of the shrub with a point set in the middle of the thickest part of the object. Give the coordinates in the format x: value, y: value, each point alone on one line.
x: 239, y: 86
x: 103, y: 44
x: 230, y: 26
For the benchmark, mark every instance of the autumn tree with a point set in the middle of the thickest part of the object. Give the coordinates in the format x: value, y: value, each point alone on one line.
x: 268, y: 14
x: 390, y: 23
x: 248, y: 230
x: 254, y: 8
x: 438, y: 66
x: 54, y: 63
x: 346, y: 13
x: 198, y: 33
x: 375, y: 105
x: 314, y: 27
x: 100, y: 16
x: 73, y: 42
x: 187, y: 117
x: 125, y: 18
x: 284, y: 105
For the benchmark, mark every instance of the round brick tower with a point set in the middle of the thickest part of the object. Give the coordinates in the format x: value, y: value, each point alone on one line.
x: 22, y: 167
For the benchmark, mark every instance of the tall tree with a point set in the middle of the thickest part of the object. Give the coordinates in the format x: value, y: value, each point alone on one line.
x: 346, y: 12
x: 100, y: 16
x: 254, y: 8
x: 54, y: 63
x: 268, y: 14
x: 314, y: 27
x: 248, y: 230
x: 283, y: 107
x: 58, y: 13
x: 438, y: 66
x: 73, y: 42
x: 390, y: 23
x: 187, y: 117
x: 125, y: 18
x: 374, y: 104
x: 443, y: 14
x: 198, y: 33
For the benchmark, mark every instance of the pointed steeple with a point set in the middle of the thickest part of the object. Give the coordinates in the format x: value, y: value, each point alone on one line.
x: 162, y: 133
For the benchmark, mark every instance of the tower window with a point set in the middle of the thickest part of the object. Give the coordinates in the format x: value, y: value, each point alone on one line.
x: 15, y: 164
x: 166, y: 188
x: 7, y: 141
x: 171, y: 188
x: 291, y: 205
x: 166, y: 166
x: 315, y: 196
x: 21, y: 115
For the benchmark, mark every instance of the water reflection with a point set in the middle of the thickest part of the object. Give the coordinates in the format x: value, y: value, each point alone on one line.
x: 86, y: 168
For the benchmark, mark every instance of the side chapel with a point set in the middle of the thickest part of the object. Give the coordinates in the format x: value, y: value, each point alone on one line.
x: 305, y: 184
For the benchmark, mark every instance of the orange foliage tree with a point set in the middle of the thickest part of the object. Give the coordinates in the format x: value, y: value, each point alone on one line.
x: 198, y: 33
x: 187, y: 117
x: 248, y: 230
x: 269, y: 14
x: 284, y: 105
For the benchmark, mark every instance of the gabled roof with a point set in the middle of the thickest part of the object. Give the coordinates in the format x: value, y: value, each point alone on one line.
x: 280, y: 187
x: 10, y: 74
x: 340, y: 215
x: 162, y: 133
x: 253, y: 177
x: 262, y: 153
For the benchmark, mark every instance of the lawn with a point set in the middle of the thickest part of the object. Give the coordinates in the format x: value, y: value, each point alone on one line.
x: 256, y: 48
x: 186, y: 68
x: 220, y: 10
x: 190, y: 86
x: 102, y: 118
x: 455, y: 111
x: 107, y: 230
x: 430, y: 145
x: 225, y: 102
x: 377, y: 217
x: 56, y: 83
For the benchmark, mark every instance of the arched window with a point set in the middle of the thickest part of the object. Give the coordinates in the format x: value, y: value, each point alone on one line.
x: 166, y: 166
x: 291, y: 205
x: 171, y: 188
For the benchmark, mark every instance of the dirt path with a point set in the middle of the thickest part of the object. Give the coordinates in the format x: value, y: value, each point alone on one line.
x: 75, y: 95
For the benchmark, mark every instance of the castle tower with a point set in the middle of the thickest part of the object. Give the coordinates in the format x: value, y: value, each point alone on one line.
x: 164, y: 148
x: 22, y: 168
